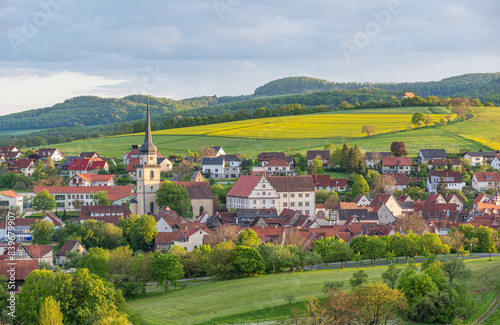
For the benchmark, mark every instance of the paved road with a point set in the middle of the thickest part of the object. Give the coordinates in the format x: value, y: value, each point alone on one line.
x: 384, y: 262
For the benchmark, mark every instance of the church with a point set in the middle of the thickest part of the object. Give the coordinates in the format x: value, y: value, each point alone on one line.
x: 148, y: 175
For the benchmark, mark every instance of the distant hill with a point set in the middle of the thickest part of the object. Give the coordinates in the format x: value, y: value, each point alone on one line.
x: 446, y: 87
x: 93, y: 110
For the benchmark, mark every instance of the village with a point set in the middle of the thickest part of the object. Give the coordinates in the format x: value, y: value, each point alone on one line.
x: 267, y: 197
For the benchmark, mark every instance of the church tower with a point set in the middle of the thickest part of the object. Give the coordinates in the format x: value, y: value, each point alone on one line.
x: 148, y: 173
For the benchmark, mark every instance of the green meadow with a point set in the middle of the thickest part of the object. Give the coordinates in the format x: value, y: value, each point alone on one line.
x: 258, y: 299
x: 480, y: 131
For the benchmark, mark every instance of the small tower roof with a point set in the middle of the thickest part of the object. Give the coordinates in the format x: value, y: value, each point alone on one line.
x: 148, y: 147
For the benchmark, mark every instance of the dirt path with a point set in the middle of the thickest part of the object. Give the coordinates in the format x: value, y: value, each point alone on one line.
x: 494, y: 305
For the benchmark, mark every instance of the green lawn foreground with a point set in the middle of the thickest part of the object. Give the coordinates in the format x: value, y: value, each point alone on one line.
x: 260, y: 298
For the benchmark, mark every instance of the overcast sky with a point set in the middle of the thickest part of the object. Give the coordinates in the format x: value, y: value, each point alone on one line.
x: 52, y: 50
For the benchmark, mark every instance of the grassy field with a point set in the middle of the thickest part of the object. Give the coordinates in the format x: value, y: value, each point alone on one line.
x: 306, y: 132
x: 18, y: 132
x: 260, y: 298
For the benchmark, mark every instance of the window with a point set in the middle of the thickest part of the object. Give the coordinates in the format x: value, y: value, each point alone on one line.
x: 254, y: 201
x: 139, y: 174
x: 300, y: 194
x: 152, y: 175
x: 307, y: 204
x: 273, y: 201
x: 300, y: 204
x: 292, y: 204
x: 285, y: 195
x: 152, y: 207
x: 307, y: 211
x: 307, y: 194
x: 151, y: 188
x: 292, y: 195
x: 216, y: 170
x: 263, y: 201
x: 202, y: 209
x: 285, y: 204
x: 263, y: 185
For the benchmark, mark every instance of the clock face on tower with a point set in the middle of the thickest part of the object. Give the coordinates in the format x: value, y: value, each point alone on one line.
x: 151, y: 158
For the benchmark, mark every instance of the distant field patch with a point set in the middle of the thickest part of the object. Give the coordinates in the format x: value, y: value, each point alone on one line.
x: 301, y: 127
x: 18, y: 132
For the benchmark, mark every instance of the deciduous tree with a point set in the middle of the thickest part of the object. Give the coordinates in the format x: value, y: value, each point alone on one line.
x: 398, y: 149
x: 176, y: 197
x: 411, y: 221
x: 167, y: 268
x: 368, y: 129
x: 42, y: 232
x: 44, y: 202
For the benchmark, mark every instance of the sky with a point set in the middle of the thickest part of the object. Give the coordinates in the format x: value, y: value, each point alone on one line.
x: 52, y: 50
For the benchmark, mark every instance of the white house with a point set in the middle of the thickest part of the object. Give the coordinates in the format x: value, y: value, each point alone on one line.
x: 495, y: 163
x: 452, y: 179
x: 52, y: 153
x: 396, y: 165
x: 485, y: 180
x: 273, y: 168
x: 425, y: 155
x: 11, y: 199
x: 479, y: 158
x: 279, y: 192
x: 25, y: 166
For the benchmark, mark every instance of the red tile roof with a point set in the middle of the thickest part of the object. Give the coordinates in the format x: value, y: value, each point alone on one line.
x: 321, y: 180
x: 277, y: 163
x: 244, y: 186
x: 487, y: 177
x: 131, y: 167
x: 94, y: 178
x: 68, y: 246
x: 444, y: 162
x: 10, y: 193
x: 338, y: 182
x: 292, y: 183
x: 323, y: 154
x: 395, y: 161
x: 457, y: 178
x: 198, y: 190
x: 23, y: 268
x: 23, y: 163
x: 38, y: 251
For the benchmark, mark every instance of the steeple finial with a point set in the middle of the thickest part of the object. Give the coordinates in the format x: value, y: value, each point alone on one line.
x: 148, y: 147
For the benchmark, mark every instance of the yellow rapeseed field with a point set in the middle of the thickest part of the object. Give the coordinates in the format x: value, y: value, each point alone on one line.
x: 302, y: 127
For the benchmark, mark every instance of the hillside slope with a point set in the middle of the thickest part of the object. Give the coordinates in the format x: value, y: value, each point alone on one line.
x: 93, y: 110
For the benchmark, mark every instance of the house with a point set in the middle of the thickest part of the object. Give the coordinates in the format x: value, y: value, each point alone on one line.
x: 41, y: 253
x: 361, y: 200
x: 70, y: 245
x: 278, y: 192
x: 485, y: 180
x: 325, y: 182
x: 264, y: 157
x: 52, y: 218
x: 372, y: 159
x: 232, y: 160
x: 401, y: 181
x: 10, y: 153
x: 132, y: 168
x: 22, y: 270
x: 25, y: 166
x: 479, y: 158
x: 443, y: 163
x: 70, y: 196
x: 91, y: 180
x: 455, y: 199
x: 407, y: 94
x: 218, y: 168
x: 452, y: 179
x: 389, y: 201
x: 21, y: 228
x: 169, y: 221
x: 396, y: 165
x: 436, y: 211
x: 252, y: 192
x: 425, y: 155
x: 273, y: 168
x: 495, y: 163
x: 197, y: 177
x: 487, y: 203
x: 53, y: 153
x: 201, y: 196
x: 219, y: 151
x: 89, y: 155
x: 11, y: 199
x: 347, y: 216
x: 104, y: 213
x: 2, y: 158
x: 322, y: 155
x: 64, y: 166
x: 190, y: 239
x: 86, y: 166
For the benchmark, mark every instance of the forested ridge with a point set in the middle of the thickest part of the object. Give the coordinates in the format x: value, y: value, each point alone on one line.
x: 87, y: 111
x: 92, y: 110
